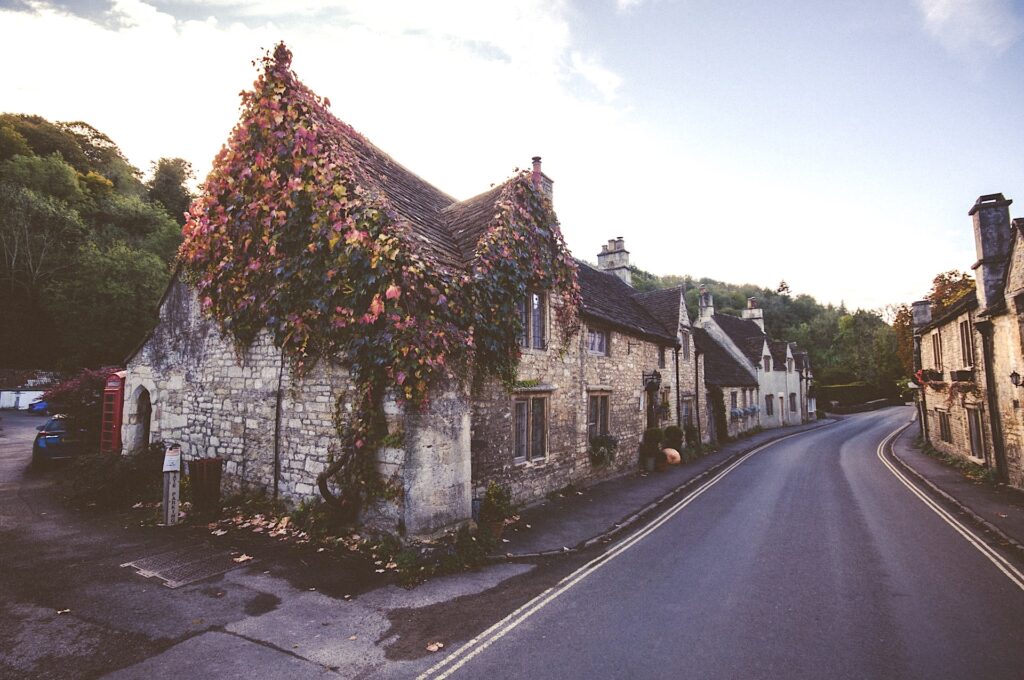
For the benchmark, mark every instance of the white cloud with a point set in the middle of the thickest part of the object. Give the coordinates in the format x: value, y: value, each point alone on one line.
x: 964, y: 26
x: 606, y: 82
x: 627, y: 5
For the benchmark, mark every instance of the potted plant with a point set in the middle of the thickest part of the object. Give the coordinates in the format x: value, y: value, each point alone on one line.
x: 650, y: 448
x: 602, y: 450
x: 495, y: 508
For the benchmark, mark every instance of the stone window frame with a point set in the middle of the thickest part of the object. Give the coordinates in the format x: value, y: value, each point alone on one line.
x: 529, y: 315
x: 945, y: 429
x: 604, y: 412
x: 685, y: 342
x: 530, y: 456
x: 769, y: 405
x: 937, y: 350
x: 733, y: 399
x: 966, y: 343
x: 599, y: 332
x: 792, y: 402
x: 687, y: 414
x: 662, y: 360
x: 767, y: 362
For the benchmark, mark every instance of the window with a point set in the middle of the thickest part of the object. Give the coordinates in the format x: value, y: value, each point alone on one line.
x: 789, y: 365
x: 792, y: 402
x: 687, y: 412
x: 976, y: 432
x: 597, y: 418
x: 769, y: 405
x: 937, y: 351
x: 530, y: 428
x: 732, y: 399
x: 767, y: 363
x: 686, y: 345
x: 533, y: 319
x: 944, y: 431
x: 661, y: 357
x: 597, y: 341
x: 966, y: 343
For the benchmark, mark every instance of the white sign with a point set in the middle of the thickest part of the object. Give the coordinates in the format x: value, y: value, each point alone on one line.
x: 172, y: 459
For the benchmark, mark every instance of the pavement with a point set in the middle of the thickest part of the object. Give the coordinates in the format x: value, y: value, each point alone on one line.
x: 575, y: 520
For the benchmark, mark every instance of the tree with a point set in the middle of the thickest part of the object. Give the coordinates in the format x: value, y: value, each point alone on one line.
x: 12, y: 143
x: 948, y: 288
x: 169, y: 186
x: 903, y: 327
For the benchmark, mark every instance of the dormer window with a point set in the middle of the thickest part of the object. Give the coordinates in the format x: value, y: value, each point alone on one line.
x: 767, y: 363
x: 533, y: 319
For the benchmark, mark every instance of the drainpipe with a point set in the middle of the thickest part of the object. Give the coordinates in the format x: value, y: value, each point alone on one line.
x: 679, y: 399
x: 985, y: 327
x: 696, y: 392
x: 277, y: 427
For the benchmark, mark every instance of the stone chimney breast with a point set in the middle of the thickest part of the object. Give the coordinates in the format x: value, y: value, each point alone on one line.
x: 990, y: 215
x: 754, y: 313
x: 921, y: 311
x: 706, y: 303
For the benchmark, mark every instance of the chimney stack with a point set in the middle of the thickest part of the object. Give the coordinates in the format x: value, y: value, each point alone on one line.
x: 614, y: 259
x: 754, y: 313
x: 706, y: 303
x: 921, y: 312
x: 992, y: 239
x: 541, y: 182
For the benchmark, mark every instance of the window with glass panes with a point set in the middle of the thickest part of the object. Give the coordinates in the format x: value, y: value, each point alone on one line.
x: 597, y: 415
x: 533, y: 320
x: 530, y: 428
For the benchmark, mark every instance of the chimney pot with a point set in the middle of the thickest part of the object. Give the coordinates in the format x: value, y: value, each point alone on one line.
x: 614, y: 259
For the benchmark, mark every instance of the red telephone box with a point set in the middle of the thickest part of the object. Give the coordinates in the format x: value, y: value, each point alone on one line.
x: 113, y: 409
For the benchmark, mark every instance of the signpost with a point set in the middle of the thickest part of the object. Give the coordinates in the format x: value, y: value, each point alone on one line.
x: 172, y: 478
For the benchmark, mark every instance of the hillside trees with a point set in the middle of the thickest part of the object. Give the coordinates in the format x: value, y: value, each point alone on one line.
x: 85, y: 250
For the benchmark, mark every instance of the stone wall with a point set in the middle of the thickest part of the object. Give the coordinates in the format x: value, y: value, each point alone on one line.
x: 217, y: 401
x: 953, y: 402
x: 1008, y: 357
x: 567, y: 376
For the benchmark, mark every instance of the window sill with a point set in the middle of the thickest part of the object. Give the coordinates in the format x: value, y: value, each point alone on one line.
x: 526, y: 389
x: 523, y: 463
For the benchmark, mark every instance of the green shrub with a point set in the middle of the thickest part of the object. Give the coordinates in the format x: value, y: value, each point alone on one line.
x: 112, y: 481
x: 497, y: 503
x: 602, y: 449
x: 674, y: 437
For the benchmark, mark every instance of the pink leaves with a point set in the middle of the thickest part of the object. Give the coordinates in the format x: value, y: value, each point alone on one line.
x: 393, y: 292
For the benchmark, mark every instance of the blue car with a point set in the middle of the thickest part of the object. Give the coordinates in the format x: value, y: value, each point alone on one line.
x: 39, y: 407
x: 58, y: 439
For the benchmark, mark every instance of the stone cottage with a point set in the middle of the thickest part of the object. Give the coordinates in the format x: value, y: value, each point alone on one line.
x: 970, y: 356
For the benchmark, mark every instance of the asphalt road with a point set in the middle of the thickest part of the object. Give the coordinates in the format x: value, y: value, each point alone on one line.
x: 808, y: 560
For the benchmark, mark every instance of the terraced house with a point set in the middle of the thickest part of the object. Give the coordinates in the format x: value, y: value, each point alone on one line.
x: 970, y: 355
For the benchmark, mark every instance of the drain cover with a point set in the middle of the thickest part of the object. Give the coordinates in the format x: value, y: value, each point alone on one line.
x: 181, y: 567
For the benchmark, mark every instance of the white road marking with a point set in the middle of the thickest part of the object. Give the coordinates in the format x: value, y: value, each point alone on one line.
x: 473, y: 647
x: 994, y: 557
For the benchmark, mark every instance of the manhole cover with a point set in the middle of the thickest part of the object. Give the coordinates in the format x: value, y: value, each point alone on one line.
x: 181, y: 567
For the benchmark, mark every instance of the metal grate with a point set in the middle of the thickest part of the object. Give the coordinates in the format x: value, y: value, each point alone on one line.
x: 181, y: 567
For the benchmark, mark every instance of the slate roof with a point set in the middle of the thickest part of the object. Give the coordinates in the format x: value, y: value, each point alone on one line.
x: 663, y: 305
x: 611, y: 301
x: 747, y: 335
x: 966, y: 303
x: 720, y: 368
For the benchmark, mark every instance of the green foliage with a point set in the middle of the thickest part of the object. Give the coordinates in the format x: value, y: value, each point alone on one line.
x: 319, y: 520
x: 717, y: 400
x: 114, y: 482
x: 948, y: 288
x: 674, y: 437
x: 454, y: 552
x: 83, y: 256
x: 169, y: 186
x: 496, y: 505
x: 968, y: 468
x: 602, y: 450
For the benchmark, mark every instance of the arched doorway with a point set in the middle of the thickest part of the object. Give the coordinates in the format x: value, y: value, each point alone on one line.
x: 144, y: 416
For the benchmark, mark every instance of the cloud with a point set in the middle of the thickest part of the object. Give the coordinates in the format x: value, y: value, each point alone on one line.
x: 627, y: 5
x: 966, y: 26
x: 606, y: 82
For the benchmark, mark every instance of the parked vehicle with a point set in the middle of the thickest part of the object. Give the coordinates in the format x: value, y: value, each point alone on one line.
x: 39, y: 407
x: 59, y: 438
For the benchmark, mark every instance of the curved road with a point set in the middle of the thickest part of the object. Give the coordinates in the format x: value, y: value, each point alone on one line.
x: 808, y: 560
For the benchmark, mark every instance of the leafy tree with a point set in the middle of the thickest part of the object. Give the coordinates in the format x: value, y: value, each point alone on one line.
x: 44, y: 138
x: 169, y: 186
x: 47, y: 175
x: 948, y: 288
x: 12, y: 143
x: 903, y: 327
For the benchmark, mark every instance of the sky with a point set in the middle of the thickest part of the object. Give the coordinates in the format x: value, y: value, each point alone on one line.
x: 834, y: 145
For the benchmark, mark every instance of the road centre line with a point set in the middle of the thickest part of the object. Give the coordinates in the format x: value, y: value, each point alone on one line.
x: 1001, y: 563
x: 476, y: 645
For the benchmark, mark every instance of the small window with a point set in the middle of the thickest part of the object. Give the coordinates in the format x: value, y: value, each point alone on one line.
x: 945, y: 433
x: 687, y: 406
x: 732, y: 400
x: 685, y: 339
x: 767, y: 363
x: 976, y: 432
x: 937, y: 350
x: 789, y: 365
x: 769, y: 406
x: 597, y: 341
x: 966, y: 344
x: 597, y: 418
x: 530, y: 428
x: 661, y: 357
x: 792, y: 402
x: 532, y: 314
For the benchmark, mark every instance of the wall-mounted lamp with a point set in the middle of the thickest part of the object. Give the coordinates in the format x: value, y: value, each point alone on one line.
x: 1015, y: 379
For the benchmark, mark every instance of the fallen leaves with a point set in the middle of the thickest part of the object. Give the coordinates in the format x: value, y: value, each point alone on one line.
x: 242, y: 558
x: 435, y: 647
